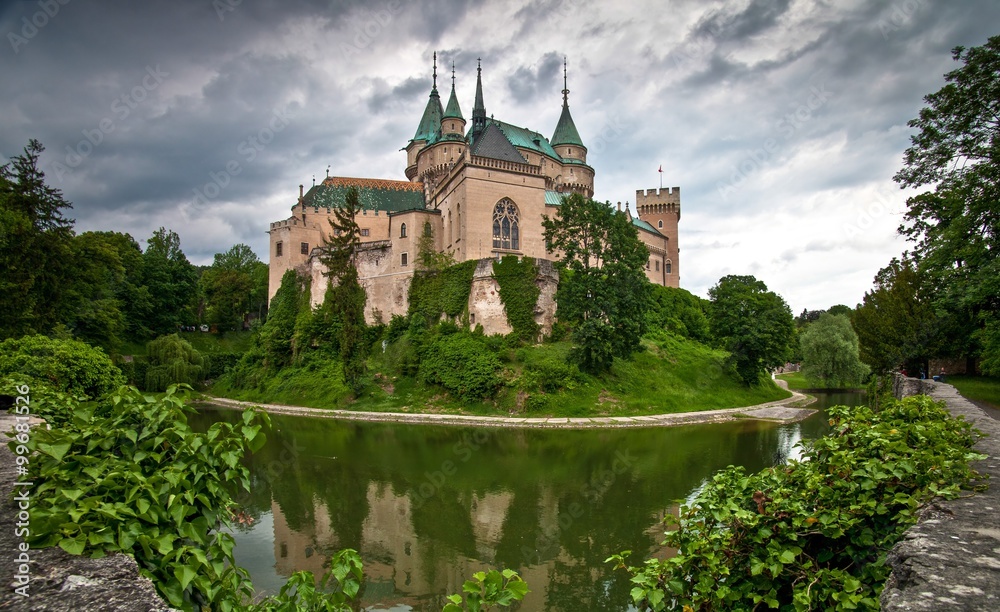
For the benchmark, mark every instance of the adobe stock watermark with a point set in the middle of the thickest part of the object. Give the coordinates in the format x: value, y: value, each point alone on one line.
x: 222, y: 7
x: 121, y: 109
x: 248, y: 149
x: 786, y: 127
x: 463, y: 450
x: 611, y: 131
x: 592, y: 491
x: 22, y: 499
x: 30, y: 26
x: 867, y: 217
x: 902, y: 12
x: 369, y: 26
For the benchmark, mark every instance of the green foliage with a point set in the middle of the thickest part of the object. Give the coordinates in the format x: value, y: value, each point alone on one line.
x: 217, y: 364
x: 680, y: 312
x: 519, y: 294
x: 603, y: 290
x: 68, y: 366
x: 171, y: 281
x: 812, y: 534
x: 488, y: 589
x: 755, y: 325
x: 127, y: 474
x: 460, y: 363
x: 234, y: 287
x: 172, y: 361
x: 441, y: 292
x: 894, y: 323
x: 35, y: 247
x: 830, y: 353
x: 956, y: 225
x: 300, y: 592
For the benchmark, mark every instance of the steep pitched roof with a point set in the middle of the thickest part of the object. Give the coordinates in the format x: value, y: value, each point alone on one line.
x: 374, y: 194
x: 430, y: 123
x: 566, y: 130
x: 494, y: 144
x: 453, y: 111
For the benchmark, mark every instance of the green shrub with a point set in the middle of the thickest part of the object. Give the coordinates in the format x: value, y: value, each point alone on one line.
x: 217, y: 364
x: 441, y: 292
x: 812, y: 534
x: 68, y: 366
x: 519, y: 294
x: 172, y: 361
x: 461, y: 364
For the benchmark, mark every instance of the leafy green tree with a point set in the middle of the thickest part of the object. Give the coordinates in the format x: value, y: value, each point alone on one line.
x: 35, y: 247
x: 603, y: 290
x: 345, y: 298
x: 894, y: 323
x: 234, y: 287
x: 680, y: 312
x: 830, y: 352
x: 172, y: 282
x: 172, y: 360
x: 956, y: 225
x: 755, y: 325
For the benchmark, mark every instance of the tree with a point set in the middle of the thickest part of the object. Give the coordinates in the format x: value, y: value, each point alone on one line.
x: 680, y: 312
x: 830, y: 352
x: 35, y: 241
x: 172, y: 282
x: 894, y: 322
x: 69, y: 366
x: 345, y: 297
x: 755, y: 325
x: 603, y: 291
x: 234, y: 287
x: 956, y: 225
x: 172, y: 360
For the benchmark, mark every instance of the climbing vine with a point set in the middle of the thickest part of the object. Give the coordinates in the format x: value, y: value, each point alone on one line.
x: 519, y: 294
x: 437, y: 292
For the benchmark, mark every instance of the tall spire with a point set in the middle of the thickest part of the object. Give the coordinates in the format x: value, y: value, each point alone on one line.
x: 453, y: 111
x: 430, y: 124
x: 566, y: 133
x: 479, y: 110
x: 434, y: 87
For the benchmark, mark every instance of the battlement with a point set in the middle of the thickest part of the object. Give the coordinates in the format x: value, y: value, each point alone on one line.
x: 658, y: 196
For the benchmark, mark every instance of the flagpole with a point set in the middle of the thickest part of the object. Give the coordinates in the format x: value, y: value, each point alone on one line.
x: 661, y: 176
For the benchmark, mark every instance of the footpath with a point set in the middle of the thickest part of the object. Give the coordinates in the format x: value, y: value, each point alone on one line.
x: 787, y: 410
x: 950, y: 560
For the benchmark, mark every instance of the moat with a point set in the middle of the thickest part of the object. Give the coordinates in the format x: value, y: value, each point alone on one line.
x: 427, y: 506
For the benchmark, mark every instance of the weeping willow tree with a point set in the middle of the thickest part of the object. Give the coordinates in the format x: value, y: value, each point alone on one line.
x: 172, y: 360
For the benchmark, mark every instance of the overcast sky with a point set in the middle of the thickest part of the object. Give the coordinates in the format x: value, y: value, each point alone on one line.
x: 783, y: 121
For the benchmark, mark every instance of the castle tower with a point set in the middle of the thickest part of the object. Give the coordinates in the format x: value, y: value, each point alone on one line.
x: 566, y: 139
x: 429, y: 128
x: 479, y: 109
x: 453, y: 123
x: 661, y: 208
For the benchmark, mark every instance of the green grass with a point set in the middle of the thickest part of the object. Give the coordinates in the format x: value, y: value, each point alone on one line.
x: 669, y: 375
x: 798, y: 381
x: 203, y: 342
x: 984, y: 389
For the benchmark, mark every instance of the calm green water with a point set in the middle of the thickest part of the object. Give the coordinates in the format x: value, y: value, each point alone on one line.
x: 427, y: 505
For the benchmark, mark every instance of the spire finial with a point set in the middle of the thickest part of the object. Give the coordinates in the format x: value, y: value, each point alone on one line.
x: 565, y: 91
x: 453, y: 74
x: 435, y: 70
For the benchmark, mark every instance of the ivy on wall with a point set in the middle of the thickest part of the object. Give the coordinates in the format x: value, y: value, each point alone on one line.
x: 519, y: 294
x: 437, y: 292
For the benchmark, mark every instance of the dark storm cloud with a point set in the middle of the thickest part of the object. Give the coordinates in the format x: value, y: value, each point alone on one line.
x: 758, y: 17
x: 405, y: 93
x: 527, y: 83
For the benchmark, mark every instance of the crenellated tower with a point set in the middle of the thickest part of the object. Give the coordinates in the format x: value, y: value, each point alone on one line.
x: 661, y: 209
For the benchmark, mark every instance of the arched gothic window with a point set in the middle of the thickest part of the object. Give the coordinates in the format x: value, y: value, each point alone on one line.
x: 402, y: 230
x: 506, y: 226
x: 668, y: 268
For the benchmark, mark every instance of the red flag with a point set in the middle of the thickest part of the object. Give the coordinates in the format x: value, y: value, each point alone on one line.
x: 661, y: 168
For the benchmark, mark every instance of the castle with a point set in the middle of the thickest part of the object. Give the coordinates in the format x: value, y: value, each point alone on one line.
x: 480, y: 193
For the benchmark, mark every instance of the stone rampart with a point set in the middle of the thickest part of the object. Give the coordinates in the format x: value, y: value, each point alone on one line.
x: 950, y: 560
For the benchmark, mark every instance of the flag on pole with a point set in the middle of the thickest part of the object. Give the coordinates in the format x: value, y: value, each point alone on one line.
x: 661, y: 168
x: 661, y: 175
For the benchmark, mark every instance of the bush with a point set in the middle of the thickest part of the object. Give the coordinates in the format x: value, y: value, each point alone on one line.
x: 68, y: 366
x: 217, y: 364
x: 461, y: 364
x: 812, y: 534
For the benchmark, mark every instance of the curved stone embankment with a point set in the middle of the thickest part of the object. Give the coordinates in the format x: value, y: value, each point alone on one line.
x: 56, y: 579
x: 787, y: 410
x: 950, y: 560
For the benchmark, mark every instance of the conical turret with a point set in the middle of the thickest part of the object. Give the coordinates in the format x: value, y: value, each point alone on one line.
x: 430, y: 124
x: 479, y: 110
x: 453, y: 122
x: 565, y: 138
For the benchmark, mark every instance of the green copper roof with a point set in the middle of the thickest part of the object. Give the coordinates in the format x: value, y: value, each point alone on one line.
x: 636, y: 221
x: 553, y: 198
x: 453, y: 111
x: 526, y: 139
x: 566, y: 130
x: 430, y: 123
x: 374, y: 194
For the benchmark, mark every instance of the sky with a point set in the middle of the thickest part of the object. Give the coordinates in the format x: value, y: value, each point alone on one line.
x: 782, y: 121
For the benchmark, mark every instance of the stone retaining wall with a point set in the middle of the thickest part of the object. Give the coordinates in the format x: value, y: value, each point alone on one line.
x: 950, y: 560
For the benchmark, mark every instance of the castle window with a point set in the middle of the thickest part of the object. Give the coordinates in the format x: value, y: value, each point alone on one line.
x: 427, y: 228
x: 364, y: 232
x: 402, y: 231
x: 506, y: 227
x: 657, y: 266
x: 304, y: 248
x: 647, y: 263
x: 667, y: 267
x: 659, y: 224
x: 402, y: 259
x: 277, y: 249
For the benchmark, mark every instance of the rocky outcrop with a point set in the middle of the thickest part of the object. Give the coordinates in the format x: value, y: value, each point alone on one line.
x: 950, y: 560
